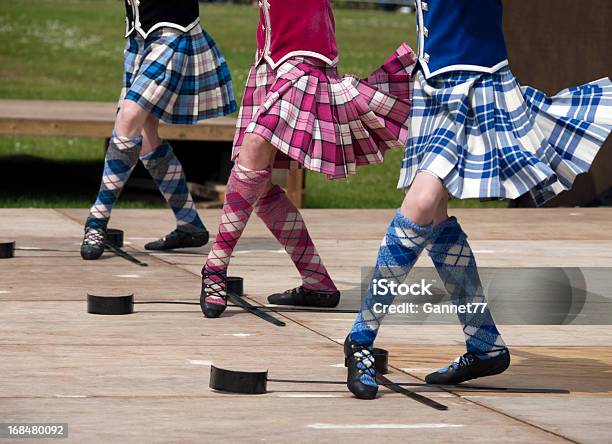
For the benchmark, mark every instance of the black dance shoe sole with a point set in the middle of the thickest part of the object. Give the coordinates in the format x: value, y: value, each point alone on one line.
x: 478, y: 368
x: 178, y: 239
x: 300, y: 297
x: 91, y: 252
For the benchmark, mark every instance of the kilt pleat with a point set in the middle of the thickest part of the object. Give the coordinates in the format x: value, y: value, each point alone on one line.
x: 324, y: 122
x: 181, y: 78
x: 487, y: 137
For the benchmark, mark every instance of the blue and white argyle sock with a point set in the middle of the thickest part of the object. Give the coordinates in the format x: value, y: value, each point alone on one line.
x: 168, y: 174
x: 121, y: 158
x: 399, y: 251
x: 456, y: 265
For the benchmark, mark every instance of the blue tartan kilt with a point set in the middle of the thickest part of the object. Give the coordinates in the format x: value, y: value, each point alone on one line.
x: 181, y: 78
x: 487, y: 137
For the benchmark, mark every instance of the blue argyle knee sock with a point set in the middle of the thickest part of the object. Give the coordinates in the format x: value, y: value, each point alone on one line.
x: 121, y: 158
x: 456, y: 265
x: 168, y: 174
x: 399, y: 251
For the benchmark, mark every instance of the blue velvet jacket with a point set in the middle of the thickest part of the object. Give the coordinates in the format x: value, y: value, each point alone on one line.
x: 460, y: 35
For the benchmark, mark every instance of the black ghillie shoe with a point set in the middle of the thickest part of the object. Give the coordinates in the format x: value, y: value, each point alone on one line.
x: 303, y: 297
x: 93, y: 243
x: 361, y: 376
x: 215, y: 290
x: 468, y: 367
x: 179, y: 239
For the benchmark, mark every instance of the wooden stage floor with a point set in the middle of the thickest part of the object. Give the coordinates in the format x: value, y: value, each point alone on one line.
x: 144, y: 377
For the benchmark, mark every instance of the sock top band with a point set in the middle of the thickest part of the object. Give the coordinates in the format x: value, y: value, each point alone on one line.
x: 244, y: 169
x: 158, y: 153
x: 448, y: 223
x: 137, y: 140
x: 407, y: 223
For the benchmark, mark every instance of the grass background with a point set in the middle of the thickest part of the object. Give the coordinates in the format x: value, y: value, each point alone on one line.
x: 73, y: 49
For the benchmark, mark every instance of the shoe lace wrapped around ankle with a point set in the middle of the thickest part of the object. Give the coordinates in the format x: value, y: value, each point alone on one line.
x: 463, y: 361
x: 365, y: 362
x: 215, y: 285
x: 94, y: 237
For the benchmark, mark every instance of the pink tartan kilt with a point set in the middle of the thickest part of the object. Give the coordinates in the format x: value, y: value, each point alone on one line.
x: 324, y: 122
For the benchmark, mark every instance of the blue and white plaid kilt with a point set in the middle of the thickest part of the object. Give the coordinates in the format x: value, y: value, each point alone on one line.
x: 181, y: 78
x: 486, y: 137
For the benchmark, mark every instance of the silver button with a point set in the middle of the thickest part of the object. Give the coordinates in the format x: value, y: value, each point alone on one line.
x: 425, y: 32
x: 425, y: 6
x: 426, y: 58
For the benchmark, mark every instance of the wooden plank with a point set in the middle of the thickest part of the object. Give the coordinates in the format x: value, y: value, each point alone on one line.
x: 206, y: 131
x: 94, y: 119
x: 57, y: 110
x: 295, y: 187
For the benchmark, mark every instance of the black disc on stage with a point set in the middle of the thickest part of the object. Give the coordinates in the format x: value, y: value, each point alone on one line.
x: 110, y: 305
x: 7, y: 250
x: 247, y: 383
x: 114, y: 237
x: 381, y: 360
x: 235, y: 285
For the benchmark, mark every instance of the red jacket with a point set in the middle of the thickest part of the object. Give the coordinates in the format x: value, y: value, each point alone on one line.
x: 289, y: 28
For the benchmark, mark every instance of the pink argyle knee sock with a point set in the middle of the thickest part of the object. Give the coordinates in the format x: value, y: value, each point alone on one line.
x: 286, y: 224
x: 243, y: 189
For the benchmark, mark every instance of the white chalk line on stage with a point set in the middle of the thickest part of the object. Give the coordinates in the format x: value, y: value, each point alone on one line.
x: 322, y: 426
x: 200, y: 362
x: 79, y: 243
x: 308, y: 395
x: 239, y: 252
x: 129, y: 276
x: 166, y: 254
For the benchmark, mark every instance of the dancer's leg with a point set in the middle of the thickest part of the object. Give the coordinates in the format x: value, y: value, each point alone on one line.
x: 167, y: 172
x: 121, y: 158
x: 453, y: 258
x: 406, y: 238
x: 285, y: 222
x: 150, y: 135
x: 249, y: 178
